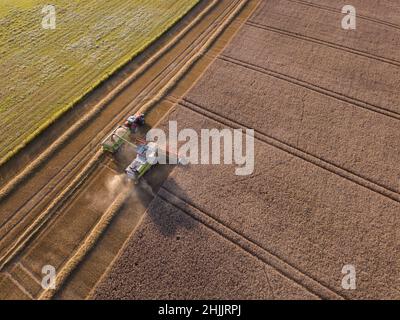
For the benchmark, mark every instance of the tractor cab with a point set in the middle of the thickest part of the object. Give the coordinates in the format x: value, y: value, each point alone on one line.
x: 122, y: 134
x: 135, y: 121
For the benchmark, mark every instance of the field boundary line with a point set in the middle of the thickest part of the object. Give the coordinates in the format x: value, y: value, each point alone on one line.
x: 41, y: 220
x: 22, y: 176
x: 324, y: 43
x: 307, y: 157
x: 245, y: 243
x: 327, y: 8
x: 313, y: 87
x: 87, y: 245
x: 28, y: 272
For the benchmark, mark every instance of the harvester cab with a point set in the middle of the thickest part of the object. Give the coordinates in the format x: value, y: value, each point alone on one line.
x: 147, y: 153
x: 144, y: 161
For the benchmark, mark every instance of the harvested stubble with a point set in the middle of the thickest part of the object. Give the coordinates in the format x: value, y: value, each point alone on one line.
x: 41, y: 220
x: 87, y: 245
x: 172, y: 256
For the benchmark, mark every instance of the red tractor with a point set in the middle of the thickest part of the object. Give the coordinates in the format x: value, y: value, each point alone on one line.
x: 134, y: 122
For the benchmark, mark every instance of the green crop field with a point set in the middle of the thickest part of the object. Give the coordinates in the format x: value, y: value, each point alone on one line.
x: 43, y: 72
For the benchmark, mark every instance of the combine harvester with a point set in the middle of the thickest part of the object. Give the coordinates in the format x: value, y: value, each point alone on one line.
x: 146, y: 153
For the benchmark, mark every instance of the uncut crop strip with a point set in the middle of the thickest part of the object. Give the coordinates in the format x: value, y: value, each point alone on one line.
x: 88, y: 243
x: 27, y: 236
x: 40, y: 221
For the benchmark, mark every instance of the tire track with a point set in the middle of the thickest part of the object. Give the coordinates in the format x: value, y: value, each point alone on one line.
x: 86, y: 246
x: 326, y: 8
x: 313, y: 87
x: 325, y: 43
x: 283, y: 146
x: 19, y: 286
x: 285, y: 268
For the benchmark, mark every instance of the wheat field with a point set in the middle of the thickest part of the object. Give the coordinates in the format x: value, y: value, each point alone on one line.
x: 44, y: 72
